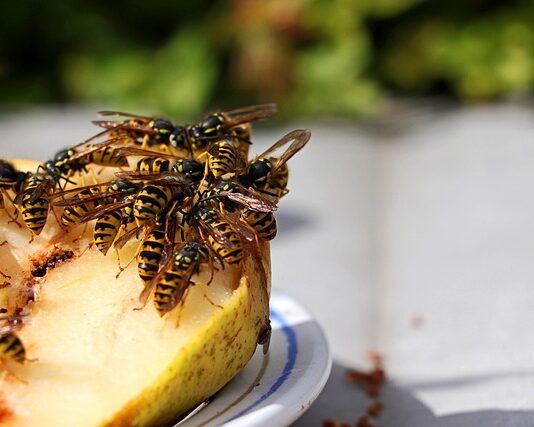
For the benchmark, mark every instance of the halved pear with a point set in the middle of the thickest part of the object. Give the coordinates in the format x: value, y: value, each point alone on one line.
x: 94, y: 358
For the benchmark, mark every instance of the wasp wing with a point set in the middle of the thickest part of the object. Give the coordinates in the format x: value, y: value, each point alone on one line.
x: 108, y: 113
x: 133, y: 151
x: 298, y: 139
x: 165, y: 263
x: 101, y: 211
x: 162, y: 177
x: 180, y: 289
x: 255, y: 203
x: 125, y: 238
x: 250, y: 113
x: 62, y: 194
x: 97, y: 147
x: 39, y: 191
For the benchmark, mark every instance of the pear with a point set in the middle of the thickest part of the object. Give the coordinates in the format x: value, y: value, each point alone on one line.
x: 95, y: 356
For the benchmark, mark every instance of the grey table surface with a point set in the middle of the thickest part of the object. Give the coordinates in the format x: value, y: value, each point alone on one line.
x: 415, y: 239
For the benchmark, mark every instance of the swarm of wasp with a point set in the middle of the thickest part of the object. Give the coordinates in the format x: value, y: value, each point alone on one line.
x: 187, y: 194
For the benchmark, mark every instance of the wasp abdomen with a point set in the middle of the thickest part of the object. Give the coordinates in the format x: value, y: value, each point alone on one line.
x: 264, y: 223
x: 150, y: 201
x: 11, y: 347
x: 106, y: 229
x: 150, y: 255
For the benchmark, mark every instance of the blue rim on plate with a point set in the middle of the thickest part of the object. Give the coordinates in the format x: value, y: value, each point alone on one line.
x: 276, y: 389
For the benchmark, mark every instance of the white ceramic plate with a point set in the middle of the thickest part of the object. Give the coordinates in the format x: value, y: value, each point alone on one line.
x: 274, y: 390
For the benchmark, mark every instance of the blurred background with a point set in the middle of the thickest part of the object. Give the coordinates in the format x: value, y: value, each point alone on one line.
x: 314, y: 57
x: 408, y: 229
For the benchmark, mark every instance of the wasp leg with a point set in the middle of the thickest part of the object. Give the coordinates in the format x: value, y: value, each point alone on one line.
x: 203, y: 290
x: 121, y: 269
x: 144, y: 145
x: 93, y: 176
x: 181, y: 306
x: 77, y: 239
x: 89, y: 246
x: 12, y: 216
x: 58, y: 220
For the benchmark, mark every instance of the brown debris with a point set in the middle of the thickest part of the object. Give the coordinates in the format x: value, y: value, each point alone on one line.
x: 334, y: 423
x: 417, y: 322
x: 375, y: 409
x: 56, y: 258
x: 370, y: 381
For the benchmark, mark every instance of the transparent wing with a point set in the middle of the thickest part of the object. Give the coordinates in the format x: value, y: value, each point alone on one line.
x: 298, y: 139
x: 249, y: 114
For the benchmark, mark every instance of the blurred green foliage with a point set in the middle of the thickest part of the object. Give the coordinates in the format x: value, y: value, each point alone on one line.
x: 313, y: 57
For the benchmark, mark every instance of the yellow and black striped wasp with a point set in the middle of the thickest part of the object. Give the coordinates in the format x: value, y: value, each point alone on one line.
x: 223, y: 158
x: 154, y: 162
x: 269, y: 174
x: 177, y: 185
x: 10, y: 180
x: 157, y: 244
x: 150, y: 131
x: 11, y: 346
x: 34, y: 196
x: 110, y: 203
x: 255, y: 209
x: 171, y: 284
x: 225, y: 233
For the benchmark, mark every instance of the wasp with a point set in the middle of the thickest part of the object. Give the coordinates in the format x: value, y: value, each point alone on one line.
x: 11, y: 346
x: 263, y: 223
x: 157, y: 246
x: 10, y: 179
x: 155, y: 196
x: 222, y: 158
x: 191, y: 137
x: 151, y: 251
x: 141, y: 130
x: 75, y: 212
x: 256, y: 210
x: 269, y: 174
x: 70, y: 161
x: 109, y: 203
x: 154, y: 162
x: 221, y: 232
x: 171, y: 285
x: 231, y: 123
x: 34, y: 197
x: 33, y: 200
x: 160, y: 189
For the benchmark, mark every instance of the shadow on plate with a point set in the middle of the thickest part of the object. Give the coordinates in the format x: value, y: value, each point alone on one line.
x: 346, y: 402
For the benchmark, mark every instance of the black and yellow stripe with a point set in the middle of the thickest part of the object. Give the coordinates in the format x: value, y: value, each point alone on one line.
x: 222, y: 159
x: 243, y: 134
x: 106, y: 229
x: 232, y: 251
x: 11, y: 348
x: 150, y: 254
x: 34, y: 213
x: 153, y: 164
x: 72, y: 214
x: 108, y: 156
x: 151, y: 200
x: 263, y: 223
x: 190, y: 168
x: 171, y: 288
